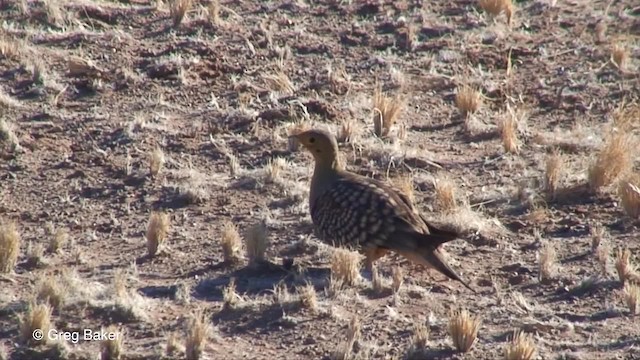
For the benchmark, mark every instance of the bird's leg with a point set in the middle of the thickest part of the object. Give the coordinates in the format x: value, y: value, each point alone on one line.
x: 371, y: 255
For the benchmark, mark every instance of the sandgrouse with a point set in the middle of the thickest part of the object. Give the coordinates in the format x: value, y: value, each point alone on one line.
x: 350, y: 210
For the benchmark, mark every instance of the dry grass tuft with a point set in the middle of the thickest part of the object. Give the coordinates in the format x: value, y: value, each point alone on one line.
x: 620, y: 56
x: 419, y: 341
x: 34, y: 255
x: 58, y: 240
x: 406, y: 186
x: 624, y: 267
x: 615, y: 159
x: 111, y: 347
x: 7, y: 129
x: 446, y: 193
x: 629, y: 192
x: 603, y: 253
x: 51, y: 290
x: 344, y: 351
x: 547, y: 258
x: 256, y: 242
x: 520, y: 348
x: 157, y: 231
x: 553, y: 172
x: 198, y: 332
x: 275, y: 168
x: 10, y: 48
x: 9, y: 246
x: 178, y: 10
x: 156, y: 161
x: 386, y: 112
x: 463, y: 329
x: 468, y: 99
x: 213, y: 10
x: 377, y: 281
x: 347, y: 131
x: 345, y: 266
x: 38, y: 317
x: 173, y: 346
x: 496, y: 7
x: 632, y: 297
x: 231, y: 243
x: 230, y: 296
x: 280, y: 82
x: 509, y: 133
x: 308, y: 297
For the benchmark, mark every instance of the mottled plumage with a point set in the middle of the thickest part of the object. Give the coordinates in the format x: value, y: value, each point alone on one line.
x: 350, y: 210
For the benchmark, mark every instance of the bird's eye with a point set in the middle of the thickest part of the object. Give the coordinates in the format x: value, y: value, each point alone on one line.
x: 312, y: 140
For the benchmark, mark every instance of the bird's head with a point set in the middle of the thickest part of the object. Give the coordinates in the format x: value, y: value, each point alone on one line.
x: 321, y: 144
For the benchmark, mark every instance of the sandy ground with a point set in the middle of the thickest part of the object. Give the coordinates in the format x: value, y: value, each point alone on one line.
x: 91, y: 89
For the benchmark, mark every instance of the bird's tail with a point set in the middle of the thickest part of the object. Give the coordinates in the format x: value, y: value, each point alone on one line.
x: 426, y: 252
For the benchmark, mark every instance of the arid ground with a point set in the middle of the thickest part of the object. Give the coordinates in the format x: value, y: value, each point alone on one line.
x: 518, y: 130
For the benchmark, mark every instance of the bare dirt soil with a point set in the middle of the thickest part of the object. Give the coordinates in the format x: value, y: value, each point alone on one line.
x: 90, y: 89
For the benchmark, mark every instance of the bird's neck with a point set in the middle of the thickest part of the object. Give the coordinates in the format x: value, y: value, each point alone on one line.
x: 324, y: 174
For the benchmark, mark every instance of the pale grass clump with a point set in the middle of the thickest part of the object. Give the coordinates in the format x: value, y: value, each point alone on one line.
x: 231, y: 243
x: 419, y: 341
x: 629, y: 192
x: 620, y: 56
x: 7, y: 129
x: 198, y: 333
x: 230, y: 296
x: 308, y: 297
x: 275, y: 168
x: 468, y: 99
x: 463, y: 329
x: 631, y: 294
x: 213, y: 10
x: 111, y: 347
x: 553, y: 172
x: 157, y: 231
x: 178, y: 10
x: 386, y: 111
x: 256, y: 242
x: 58, y: 240
x: 34, y: 254
x: 173, y: 346
x: 38, y: 316
x: 347, y: 131
x: 625, y: 268
x: 280, y: 82
x: 345, y: 266
x: 51, y: 290
x: 626, y: 117
x: 446, y: 193
x: 509, y: 133
x: 377, y: 281
x: 9, y: 246
x: 344, y: 351
x: 521, y: 347
x: 406, y: 186
x: 603, y: 254
x: 156, y: 161
x: 339, y: 80
x: 615, y: 159
x: 495, y: 7
x: 547, y: 258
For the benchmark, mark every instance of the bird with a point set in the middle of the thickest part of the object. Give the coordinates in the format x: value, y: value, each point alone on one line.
x: 353, y: 211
